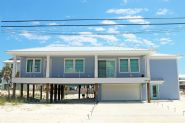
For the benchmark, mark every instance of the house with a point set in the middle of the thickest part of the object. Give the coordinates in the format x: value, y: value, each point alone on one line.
x: 8, y: 63
x: 117, y: 73
x: 182, y: 81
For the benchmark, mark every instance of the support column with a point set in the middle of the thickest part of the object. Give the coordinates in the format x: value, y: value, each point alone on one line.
x: 55, y: 92
x: 28, y: 91
x: 96, y: 92
x: 33, y: 93
x: 14, y: 90
x: 148, y: 76
x: 40, y: 92
x: 14, y: 67
x: 148, y: 92
x: 79, y: 91
x: 62, y: 92
x: 59, y: 93
x: 47, y: 92
x: 21, y: 93
x: 87, y: 91
x: 96, y: 66
x: 51, y: 93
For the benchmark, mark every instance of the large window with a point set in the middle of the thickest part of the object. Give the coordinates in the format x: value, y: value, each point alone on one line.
x: 124, y: 65
x: 134, y: 65
x: 129, y: 65
x: 33, y: 65
x: 74, y: 65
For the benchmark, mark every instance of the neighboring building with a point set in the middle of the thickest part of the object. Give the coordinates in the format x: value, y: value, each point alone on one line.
x: 182, y: 81
x: 118, y: 73
x: 9, y: 63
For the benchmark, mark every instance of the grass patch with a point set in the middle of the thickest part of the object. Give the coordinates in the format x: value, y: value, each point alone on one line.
x: 16, y: 101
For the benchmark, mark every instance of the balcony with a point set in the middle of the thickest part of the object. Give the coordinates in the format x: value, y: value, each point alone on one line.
x: 79, y: 80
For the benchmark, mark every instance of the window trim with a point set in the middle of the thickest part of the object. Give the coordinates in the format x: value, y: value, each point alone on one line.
x: 33, y: 66
x: 74, y: 60
x: 129, y: 65
x: 111, y: 59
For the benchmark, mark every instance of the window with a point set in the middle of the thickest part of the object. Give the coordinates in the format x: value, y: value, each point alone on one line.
x: 33, y: 65
x: 74, y: 65
x: 123, y: 65
x: 29, y: 65
x: 129, y: 65
x: 37, y: 65
x: 69, y: 66
x: 79, y: 65
x: 134, y: 65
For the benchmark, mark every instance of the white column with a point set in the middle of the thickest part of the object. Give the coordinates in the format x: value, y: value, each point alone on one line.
x: 14, y: 67
x: 147, y: 62
x: 47, y: 66
x: 96, y: 66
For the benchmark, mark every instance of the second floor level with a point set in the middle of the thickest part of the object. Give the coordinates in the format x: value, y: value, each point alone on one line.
x: 83, y: 66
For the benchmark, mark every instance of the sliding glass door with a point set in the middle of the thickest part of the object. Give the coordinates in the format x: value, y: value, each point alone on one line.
x: 106, y: 68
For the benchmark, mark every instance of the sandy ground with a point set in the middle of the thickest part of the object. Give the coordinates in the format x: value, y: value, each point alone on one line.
x: 155, y: 112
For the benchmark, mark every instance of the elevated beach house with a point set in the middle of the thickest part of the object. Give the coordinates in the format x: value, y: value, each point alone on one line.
x: 117, y: 73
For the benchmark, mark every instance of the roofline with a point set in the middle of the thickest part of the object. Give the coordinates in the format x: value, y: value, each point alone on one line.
x: 55, y: 53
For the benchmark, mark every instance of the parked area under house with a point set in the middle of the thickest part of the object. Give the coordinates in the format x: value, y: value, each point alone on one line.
x: 54, y: 93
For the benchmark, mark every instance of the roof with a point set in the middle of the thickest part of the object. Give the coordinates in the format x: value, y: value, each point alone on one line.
x: 62, y: 49
x: 164, y: 56
x: 54, y: 50
x: 10, y: 61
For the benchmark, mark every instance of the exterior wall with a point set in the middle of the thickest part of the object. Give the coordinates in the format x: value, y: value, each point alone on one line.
x: 23, y: 72
x: 118, y: 74
x: 166, y: 70
x: 57, y: 67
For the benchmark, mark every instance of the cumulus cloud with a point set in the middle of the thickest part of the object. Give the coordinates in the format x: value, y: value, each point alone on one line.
x: 32, y: 36
x: 99, y: 29
x: 162, y: 11
x: 108, y: 22
x: 127, y: 11
x: 165, y: 41
x: 133, y: 41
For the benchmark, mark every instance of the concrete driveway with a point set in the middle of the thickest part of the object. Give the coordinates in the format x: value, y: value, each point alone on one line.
x: 134, y: 113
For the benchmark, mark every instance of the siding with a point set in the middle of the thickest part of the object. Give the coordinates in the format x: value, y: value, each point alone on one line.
x: 118, y: 74
x: 166, y: 70
x: 57, y: 68
x: 23, y: 72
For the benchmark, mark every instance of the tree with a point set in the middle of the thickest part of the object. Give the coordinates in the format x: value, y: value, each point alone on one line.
x: 7, y: 76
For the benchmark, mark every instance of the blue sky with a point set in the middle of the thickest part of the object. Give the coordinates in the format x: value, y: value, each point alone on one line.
x: 166, y: 39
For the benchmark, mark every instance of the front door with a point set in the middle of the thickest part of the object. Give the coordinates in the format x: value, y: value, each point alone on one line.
x: 154, y: 92
x: 106, y: 68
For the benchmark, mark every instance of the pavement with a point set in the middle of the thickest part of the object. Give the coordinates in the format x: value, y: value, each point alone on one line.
x: 163, y: 111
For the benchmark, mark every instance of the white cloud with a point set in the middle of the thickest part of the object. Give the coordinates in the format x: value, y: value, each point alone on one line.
x: 32, y: 36
x: 99, y: 29
x: 165, y: 41
x: 108, y: 22
x: 162, y: 11
x: 112, y: 30
x: 52, y: 23
x: 107, y: 38
x: 79, y: 40
x: 133, y: 41
x: 139, y: 20
x: 127, y: 11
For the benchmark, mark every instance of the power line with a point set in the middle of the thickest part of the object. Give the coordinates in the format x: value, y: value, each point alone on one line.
x: 117, y: 24
x: 93, y: 19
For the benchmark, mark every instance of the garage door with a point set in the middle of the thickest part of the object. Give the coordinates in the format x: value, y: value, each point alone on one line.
x: 120, y: 91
